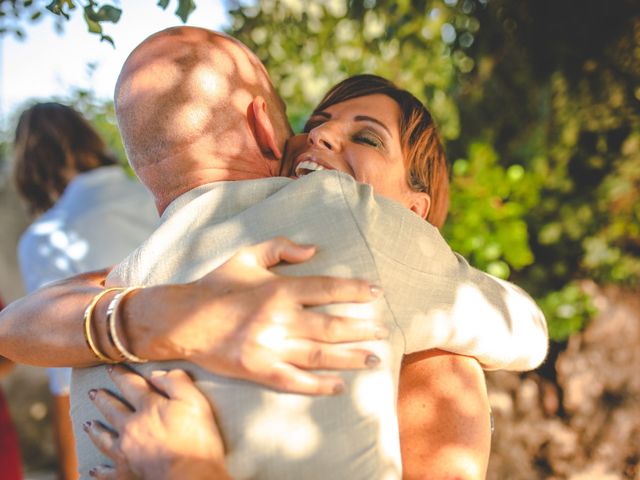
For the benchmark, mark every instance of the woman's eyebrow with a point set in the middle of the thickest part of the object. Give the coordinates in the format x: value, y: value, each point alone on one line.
x: 366, y: 118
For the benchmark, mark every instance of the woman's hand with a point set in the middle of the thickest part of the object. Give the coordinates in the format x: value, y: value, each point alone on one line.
x: 164, y: 429
x: 240, y: 320
x: 243, y: 321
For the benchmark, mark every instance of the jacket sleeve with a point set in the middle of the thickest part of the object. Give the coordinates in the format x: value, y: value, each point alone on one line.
x: 439, y: 300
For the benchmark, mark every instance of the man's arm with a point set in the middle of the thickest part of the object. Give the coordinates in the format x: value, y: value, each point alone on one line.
x: 492, y: 320
x: 444, y: 417
x: 443, y: 302
x: 240, y: 321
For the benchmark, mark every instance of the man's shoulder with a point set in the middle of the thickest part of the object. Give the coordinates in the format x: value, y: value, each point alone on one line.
x: 318, y: 196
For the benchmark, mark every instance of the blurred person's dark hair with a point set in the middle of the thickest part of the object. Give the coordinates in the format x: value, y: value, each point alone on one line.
x: 424, y: 154
x: 53, y: 143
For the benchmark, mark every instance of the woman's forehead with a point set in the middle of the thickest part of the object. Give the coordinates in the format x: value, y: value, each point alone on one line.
x: 378, y: 106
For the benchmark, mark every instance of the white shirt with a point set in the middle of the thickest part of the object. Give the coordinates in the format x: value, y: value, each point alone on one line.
x: 102, y: 215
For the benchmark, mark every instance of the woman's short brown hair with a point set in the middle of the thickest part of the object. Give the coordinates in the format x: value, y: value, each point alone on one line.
x: 424, y: 154
x: 53, y: 143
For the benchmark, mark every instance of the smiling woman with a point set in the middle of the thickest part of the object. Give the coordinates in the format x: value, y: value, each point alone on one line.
x: 363, y: 146
x: 382, y: 135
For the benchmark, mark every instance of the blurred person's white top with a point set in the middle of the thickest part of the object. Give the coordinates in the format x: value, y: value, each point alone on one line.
x: 102, y: 215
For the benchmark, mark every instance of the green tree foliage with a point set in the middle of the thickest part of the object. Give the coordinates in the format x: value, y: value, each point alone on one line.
x: 14, y: 13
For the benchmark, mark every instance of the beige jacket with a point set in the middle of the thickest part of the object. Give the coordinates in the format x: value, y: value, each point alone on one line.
x: 432, y: 298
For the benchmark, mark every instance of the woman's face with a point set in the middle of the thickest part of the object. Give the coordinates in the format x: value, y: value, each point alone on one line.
x: 360, y: 137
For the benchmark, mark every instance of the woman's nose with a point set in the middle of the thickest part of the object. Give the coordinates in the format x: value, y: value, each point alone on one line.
x: 323, y: 136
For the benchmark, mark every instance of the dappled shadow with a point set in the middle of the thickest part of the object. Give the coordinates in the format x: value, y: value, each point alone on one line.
x: 282, y: 435
x: 184, y: 101
x: 443, y: 415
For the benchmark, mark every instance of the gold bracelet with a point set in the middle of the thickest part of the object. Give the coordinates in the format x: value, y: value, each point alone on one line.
x: 112, y: 317
x: 86, y: 321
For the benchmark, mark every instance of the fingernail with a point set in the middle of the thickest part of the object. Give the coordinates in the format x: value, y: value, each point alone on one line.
x: 338, y: 388
x: 92, y: 393
x: 307, y: 246
x: 93, y: 472
x: 158, y: 373
x: 376, y: 290
x: 381, y: 333
x: 86, y: 425
x: 372, y: 361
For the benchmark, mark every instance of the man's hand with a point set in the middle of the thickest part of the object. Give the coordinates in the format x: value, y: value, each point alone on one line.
x: 164, y: 429
x: 245, y: 322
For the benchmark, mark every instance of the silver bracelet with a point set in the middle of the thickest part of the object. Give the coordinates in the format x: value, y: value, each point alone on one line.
x: 112, y: 317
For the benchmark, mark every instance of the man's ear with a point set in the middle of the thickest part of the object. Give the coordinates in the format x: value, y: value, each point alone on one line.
x: 263, y: 128
x: 420, y: 204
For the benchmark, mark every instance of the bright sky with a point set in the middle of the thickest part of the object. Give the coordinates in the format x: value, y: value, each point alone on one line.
x: 47, y: 64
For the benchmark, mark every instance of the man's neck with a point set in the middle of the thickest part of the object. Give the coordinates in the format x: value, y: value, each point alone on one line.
x: 169, y: 182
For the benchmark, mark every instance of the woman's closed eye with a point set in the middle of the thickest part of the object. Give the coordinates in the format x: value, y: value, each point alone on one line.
x: 368, y: 138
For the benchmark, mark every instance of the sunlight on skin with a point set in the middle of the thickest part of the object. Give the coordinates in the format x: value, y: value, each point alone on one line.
x: 209, y: 84
x: 273, y: 338
x: 364, y: 311
x: 194, y: 117
x: 248, y: 259
x: 146, y: 82
x: 465, y: 459
x: 450, y: 401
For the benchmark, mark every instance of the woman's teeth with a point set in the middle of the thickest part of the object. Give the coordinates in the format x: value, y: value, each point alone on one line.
x: 308, y: 166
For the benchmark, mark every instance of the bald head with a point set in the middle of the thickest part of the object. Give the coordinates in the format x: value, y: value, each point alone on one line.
x: 182, y: 101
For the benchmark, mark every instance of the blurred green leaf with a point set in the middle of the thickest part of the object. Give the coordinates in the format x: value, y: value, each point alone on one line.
x: 109, y: 13
x: 57, y: 7
x: 185, y: 8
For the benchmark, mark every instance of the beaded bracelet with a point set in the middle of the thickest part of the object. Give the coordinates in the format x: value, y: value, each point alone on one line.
x: 87, y: 320
x: 112, y: 317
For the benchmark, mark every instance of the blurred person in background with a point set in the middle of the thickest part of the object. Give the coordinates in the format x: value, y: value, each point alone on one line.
x: 9, y: 449
x: 91, y: 214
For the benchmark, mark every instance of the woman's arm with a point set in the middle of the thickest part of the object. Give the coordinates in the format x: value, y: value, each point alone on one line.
x: 239, y: 320
x: 444, y: 417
